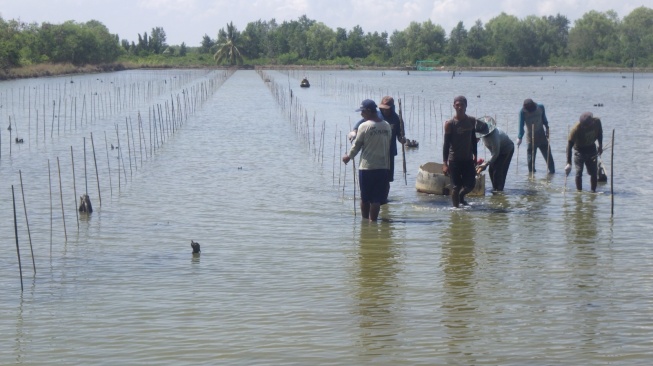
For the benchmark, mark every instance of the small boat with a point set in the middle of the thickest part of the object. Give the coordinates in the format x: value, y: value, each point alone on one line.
x: 305, y: 83
x: 430, y: 179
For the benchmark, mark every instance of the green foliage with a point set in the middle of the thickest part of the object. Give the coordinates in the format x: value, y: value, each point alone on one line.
x: 228, y: 46
x: 596, y: 39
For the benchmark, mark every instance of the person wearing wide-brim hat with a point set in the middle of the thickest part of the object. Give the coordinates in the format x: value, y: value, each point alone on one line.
x: 501, y: 149
x: 582, y: 138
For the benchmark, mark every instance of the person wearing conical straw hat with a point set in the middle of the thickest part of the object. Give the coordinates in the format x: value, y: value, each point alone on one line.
x: 582, y: 138
x: 501, y: 149
x: 373, y: 142
x: 533, y: 116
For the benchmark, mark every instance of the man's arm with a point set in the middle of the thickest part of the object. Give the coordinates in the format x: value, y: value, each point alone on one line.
x: 600, y: 136
x: 445, y: 147
x: 570, y: 145
x: 545, y: 121
x: 474, y: 146
x: 521, y: 127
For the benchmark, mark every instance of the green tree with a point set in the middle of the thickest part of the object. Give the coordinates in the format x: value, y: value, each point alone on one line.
x: 228, y: 46
x: 457, y: 39
x: 183, y: 50
x: 158, y: 40
x: 637, y: 30
x: 10, y: 44
x: 321, y: 41
x: 206, y: 45
x: 476, y: 43
x: 419, y: 41
x: 595, y: 37
x: 505, y: 39
x: 377, y: 43
x: 356, y: 43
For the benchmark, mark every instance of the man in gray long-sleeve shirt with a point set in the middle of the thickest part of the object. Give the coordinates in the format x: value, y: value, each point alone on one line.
x: 501, y: 150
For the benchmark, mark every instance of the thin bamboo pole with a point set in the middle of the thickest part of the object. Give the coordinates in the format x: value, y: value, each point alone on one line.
x: 612, y: 177
x: 97, y: 174
x: 29, y: 234
x: 74, y: 186
x: 20, y: 266
x: 63, y: 213
x: 51, y: 206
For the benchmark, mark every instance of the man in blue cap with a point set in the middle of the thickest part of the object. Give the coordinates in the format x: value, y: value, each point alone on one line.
x: 373, y: 142
x: 388, y: 114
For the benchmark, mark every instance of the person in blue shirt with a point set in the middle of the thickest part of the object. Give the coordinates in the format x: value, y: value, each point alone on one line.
x: 533, y: 116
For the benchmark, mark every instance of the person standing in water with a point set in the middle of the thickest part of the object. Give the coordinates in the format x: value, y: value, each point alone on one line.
x: 533, y: 117
x: 459, y: 152
x: 373, y: 142
x: 582, y: 138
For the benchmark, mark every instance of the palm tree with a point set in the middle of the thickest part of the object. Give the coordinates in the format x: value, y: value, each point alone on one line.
x: 227, y: 48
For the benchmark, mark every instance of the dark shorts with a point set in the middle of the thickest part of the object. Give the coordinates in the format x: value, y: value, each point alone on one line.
x: 373, y: 184
x: 462, y: 174
x: 588, y: 159
x: 391, y: 174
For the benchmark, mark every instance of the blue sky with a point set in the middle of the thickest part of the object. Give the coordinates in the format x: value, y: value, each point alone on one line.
x: 188, y: 20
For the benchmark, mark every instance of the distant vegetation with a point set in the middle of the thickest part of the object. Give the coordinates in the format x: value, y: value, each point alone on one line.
x: 598, y: 39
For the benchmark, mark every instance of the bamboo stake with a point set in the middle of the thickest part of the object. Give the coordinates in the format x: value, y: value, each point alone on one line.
x: 403, y: 149
x: 106, y: 146
x: 97, y: 174
x: 74, y: 186
x: 51, y: 207
x: 353, y: 168
x: 20, y: 266
x: 612, y: 177
x: 63, y: 215
x: 29, y: 234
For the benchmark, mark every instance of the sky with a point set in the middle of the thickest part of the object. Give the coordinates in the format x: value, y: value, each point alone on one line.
x: 189, y: 20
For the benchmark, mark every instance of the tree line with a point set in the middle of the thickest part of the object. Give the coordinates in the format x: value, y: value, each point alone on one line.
x: 596, y: 39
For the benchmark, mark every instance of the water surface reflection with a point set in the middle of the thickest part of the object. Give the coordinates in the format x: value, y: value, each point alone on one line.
x: 378, y: 291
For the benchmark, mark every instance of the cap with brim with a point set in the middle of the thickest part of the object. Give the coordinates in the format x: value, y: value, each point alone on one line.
x: 367, y: 104
x: 488, y: 124
x: 387, y: 102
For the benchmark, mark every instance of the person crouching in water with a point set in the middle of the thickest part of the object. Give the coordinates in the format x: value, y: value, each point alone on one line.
x: 373, y: 142
x: 459, y: 152
x: 581, y: 138
x: 501, y: 150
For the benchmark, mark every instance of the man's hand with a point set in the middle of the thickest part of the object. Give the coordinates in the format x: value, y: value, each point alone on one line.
x: 480, y: 168
x: 568, y: 169
x: 518, y: 142
x: 345, y: 159
x: 351, y: 136
x: 445, y: 169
